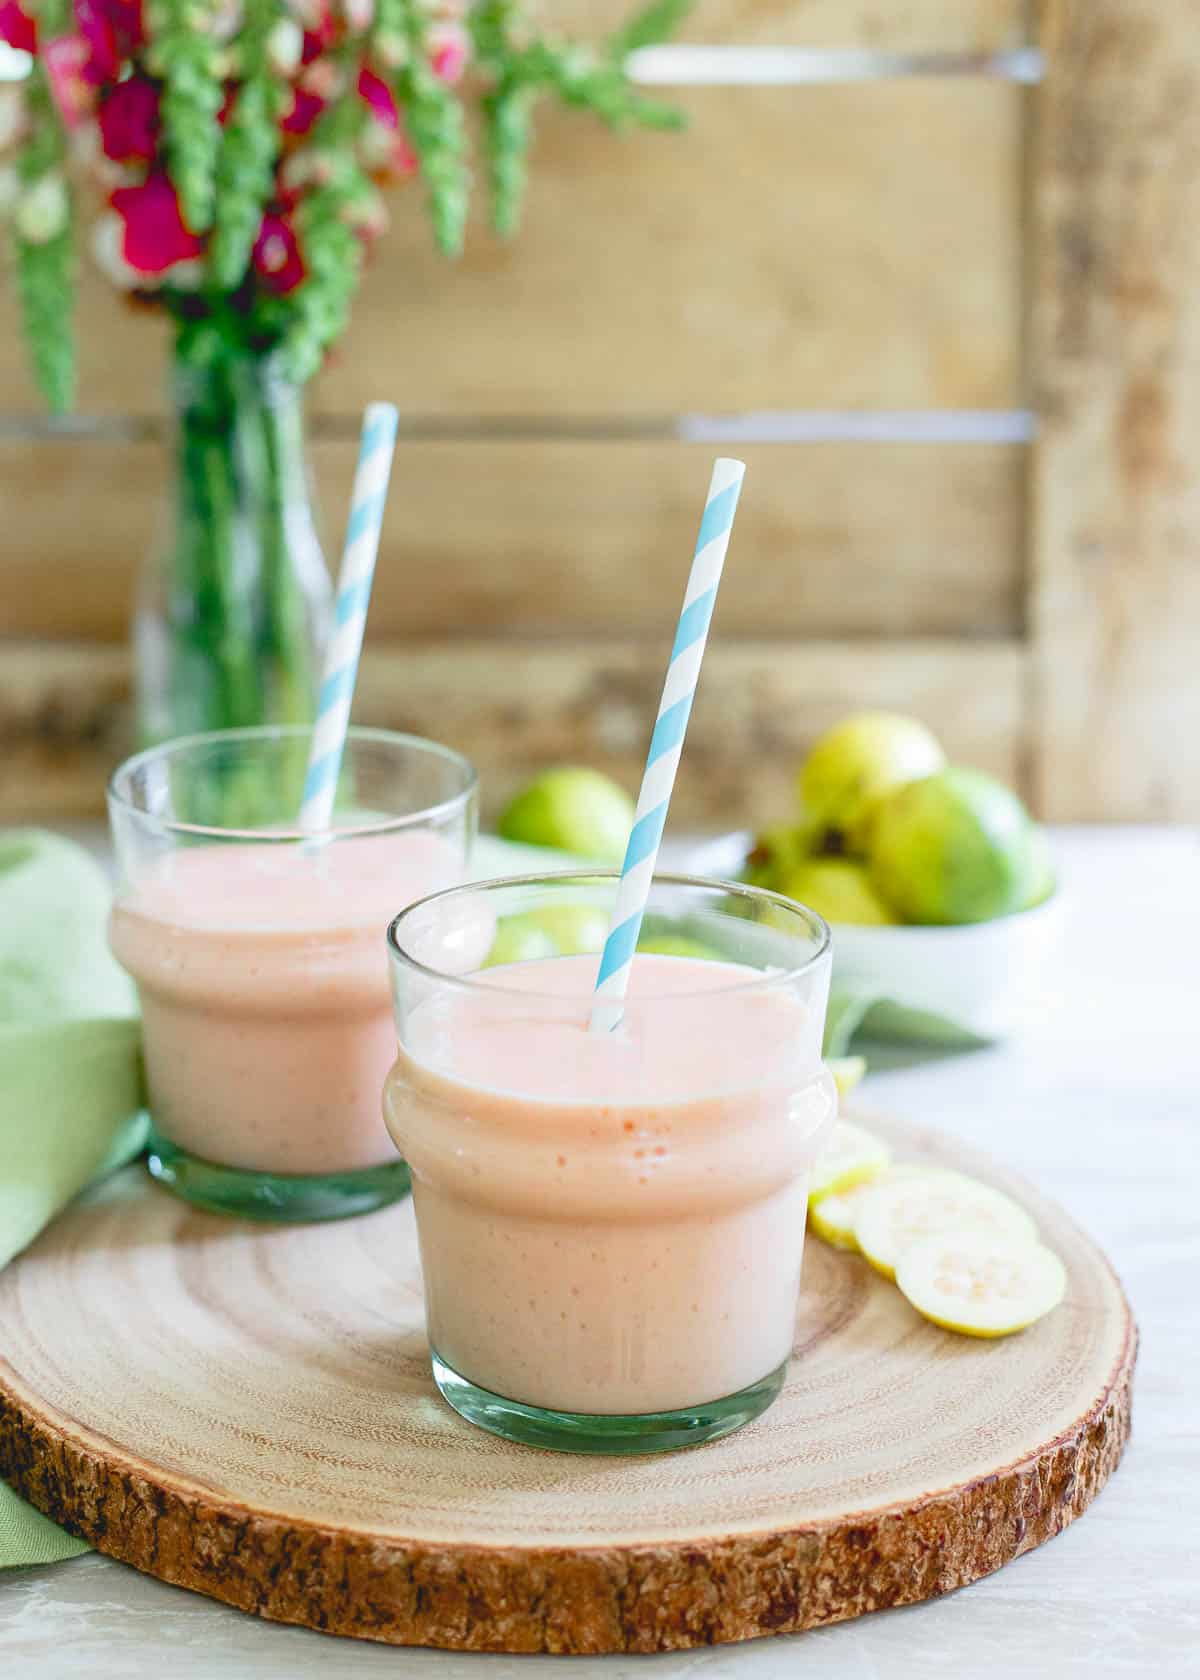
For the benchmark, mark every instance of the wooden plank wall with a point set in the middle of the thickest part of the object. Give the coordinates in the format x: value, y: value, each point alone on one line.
x: 1115, y: 579
x: 561, y: 400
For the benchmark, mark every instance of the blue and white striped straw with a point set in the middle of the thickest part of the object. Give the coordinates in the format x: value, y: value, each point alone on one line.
x: 666, y: 744
x: 375, y: 450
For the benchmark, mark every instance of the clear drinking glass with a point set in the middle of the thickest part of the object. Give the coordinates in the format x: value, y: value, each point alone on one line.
x: 258, y: 955
x: 611, y: 1224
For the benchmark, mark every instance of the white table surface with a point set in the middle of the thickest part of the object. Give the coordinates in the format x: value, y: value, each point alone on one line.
x: 1099, y: 1103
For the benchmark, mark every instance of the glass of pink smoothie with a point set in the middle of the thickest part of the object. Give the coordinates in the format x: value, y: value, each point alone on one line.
x: 259, y: 957
x: 611, y: 1226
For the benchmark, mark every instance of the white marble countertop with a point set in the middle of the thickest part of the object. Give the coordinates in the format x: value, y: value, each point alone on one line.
x: 1099, y: 1102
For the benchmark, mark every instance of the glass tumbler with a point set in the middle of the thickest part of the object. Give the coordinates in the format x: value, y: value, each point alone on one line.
x: 258, y: 955
x: 611, y: 1222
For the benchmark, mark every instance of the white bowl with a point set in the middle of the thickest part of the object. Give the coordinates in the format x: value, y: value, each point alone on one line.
x: 985, y: 978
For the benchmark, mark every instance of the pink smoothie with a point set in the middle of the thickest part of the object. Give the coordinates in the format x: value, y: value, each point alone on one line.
x: 614, y: 1223
x: 263, y: 980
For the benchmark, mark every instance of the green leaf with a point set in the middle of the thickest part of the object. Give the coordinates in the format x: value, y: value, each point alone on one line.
x: 192, y: 98
x: 655, y: 22
x: 491, y: 23
x: 590, y: 84
x: 584, y: 81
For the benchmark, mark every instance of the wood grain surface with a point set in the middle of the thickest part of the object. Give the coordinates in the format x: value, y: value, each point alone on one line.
x: 249, y: 1413
x: 868, y: 256
x: 914, y: 242
x: 568, y: 538
x: 890, y: 25
x: 515, y: 705
x: 1116, y: 587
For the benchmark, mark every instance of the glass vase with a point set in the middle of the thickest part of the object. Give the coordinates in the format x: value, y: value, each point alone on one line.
x: 234, y: 606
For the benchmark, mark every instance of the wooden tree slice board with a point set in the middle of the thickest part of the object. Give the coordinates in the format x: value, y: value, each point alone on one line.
x: 248, y: 1412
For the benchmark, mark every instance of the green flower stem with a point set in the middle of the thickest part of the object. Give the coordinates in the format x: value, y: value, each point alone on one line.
x: 655, y: 22
x: 214, y: 669
x: 238, y: 593
x: 286, y: 641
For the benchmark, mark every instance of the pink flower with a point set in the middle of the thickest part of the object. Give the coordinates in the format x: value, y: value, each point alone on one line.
x: 16, y: 29
x: 125, y: 16
x: 65, y: 59
x: 449, y: 49
x: 306, y: 108
x: 367, y: 216
x: 277, y: 259
x: 320, y: 29
x: 129, y: 121
x: 314, y: 46
x: 305, y: 167
x: 155, y: 234
x: 404, y: 160
x: 101, y: 59
x: 386, y: 153
x: 379, y: 96
x: 112, y: 30
x: 323, y: 77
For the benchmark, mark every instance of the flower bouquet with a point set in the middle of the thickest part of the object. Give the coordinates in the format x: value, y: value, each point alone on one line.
x: 231, y: 156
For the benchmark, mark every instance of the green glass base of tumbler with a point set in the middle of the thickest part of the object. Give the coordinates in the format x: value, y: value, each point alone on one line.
x: 278, y: 1198
x: 599, y: 1432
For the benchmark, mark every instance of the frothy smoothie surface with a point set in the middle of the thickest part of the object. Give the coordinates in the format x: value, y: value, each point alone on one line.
x: 262, y: 972
x: 691, y: 1028
x: 285, y: 887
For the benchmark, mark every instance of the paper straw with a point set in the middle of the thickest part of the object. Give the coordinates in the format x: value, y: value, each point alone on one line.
x: 375, y: 450
x: 666, y: 744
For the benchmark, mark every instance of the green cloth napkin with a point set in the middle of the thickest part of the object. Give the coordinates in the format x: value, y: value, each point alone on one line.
x: 863, y: 1012
x: 70, y: 1074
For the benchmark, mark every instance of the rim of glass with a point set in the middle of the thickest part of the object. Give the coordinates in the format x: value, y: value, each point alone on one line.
x: 816, y: 925
x: 290, y: 731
